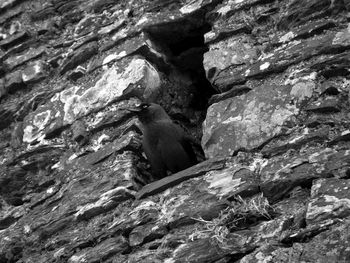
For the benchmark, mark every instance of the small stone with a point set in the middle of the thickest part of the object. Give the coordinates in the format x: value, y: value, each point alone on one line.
x: 32, y: 53
x: 88, y: 24
x: 80, y: 56
x: 112, y: 28
x: 77, y: 73
x: 14, y: 81
x: 15, y: 27
x: 14, y: 40
x: 327, y: 105
x: 80, y: 134
x: 35, y: 72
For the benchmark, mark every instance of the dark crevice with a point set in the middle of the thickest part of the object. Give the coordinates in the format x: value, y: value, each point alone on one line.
x: 237, y: 256
x: 233, y: 92
x: 305, y: 235
x: 183, y: 43
x: 55, y: 132
x: 7, y: 221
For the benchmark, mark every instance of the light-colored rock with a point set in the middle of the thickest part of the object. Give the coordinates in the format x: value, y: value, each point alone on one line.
x: 249, y: 120
x: 330, y: 199
x: 75, y: 102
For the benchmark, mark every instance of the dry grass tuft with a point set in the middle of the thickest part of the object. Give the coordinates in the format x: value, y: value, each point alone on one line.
x: 241, y: 214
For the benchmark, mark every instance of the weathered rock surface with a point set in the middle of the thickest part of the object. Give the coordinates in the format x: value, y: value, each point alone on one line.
x: 329, y: 200
x: 248, y: 121
x: 13, y: 62
x: 262, y: 86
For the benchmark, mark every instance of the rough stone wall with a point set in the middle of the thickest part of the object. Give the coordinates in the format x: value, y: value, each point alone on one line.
x: 263, y: 85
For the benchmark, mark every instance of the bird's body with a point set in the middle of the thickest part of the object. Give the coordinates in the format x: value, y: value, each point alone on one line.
x: 165, y: 144
x: 165, y: 148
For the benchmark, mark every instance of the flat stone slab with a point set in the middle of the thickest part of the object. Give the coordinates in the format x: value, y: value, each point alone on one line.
x: 35, y: 72
x: 330, y: 199
x: 30, y: 54
x: 175, y: 179
x: 14, y: 39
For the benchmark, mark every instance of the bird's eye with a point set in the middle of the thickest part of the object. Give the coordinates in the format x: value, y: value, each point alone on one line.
x: 145, y: 106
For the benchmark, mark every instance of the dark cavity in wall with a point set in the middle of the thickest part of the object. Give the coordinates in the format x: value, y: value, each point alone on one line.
x: 183, y: 44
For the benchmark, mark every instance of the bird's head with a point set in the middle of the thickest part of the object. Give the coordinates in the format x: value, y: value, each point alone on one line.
x: 148, y: 112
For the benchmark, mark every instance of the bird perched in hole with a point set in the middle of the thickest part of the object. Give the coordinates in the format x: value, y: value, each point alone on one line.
x: 165, y: 144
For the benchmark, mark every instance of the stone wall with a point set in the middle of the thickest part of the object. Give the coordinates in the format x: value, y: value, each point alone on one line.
x: 263, y: 86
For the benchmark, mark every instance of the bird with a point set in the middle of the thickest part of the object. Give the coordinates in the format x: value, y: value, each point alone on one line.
x: 166, y: 145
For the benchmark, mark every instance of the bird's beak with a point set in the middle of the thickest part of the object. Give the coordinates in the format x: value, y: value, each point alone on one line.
x: 134, y: 110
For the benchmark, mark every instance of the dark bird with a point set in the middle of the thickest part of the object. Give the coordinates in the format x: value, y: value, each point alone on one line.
x: 165, y: 144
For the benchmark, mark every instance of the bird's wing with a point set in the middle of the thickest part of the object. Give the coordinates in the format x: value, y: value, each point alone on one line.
x: 186, y: 144
x: 151, y: 150
x: 174, y: 151
x: 174, y: 156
